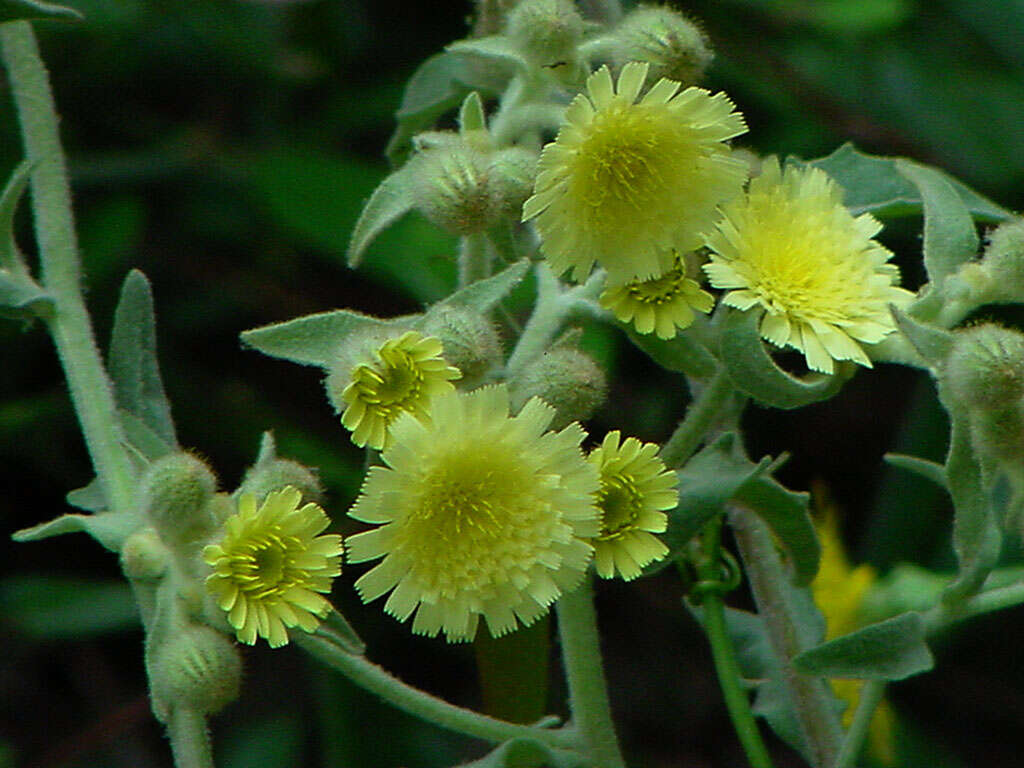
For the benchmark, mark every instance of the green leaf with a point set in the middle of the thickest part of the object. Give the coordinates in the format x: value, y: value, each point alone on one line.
x: 12, y: 10
x: 90, y: 497
x: 108, y: 528
x: 391, y: 200
x: 22, y: 299
x: 440, y: 84
x: 337, y: 629
x: 139, y: 435
x: 753, y: 371
x: 312, y: 339
x: 528, y: 753
x: 873, y: 184
x: 932, y: 343
x: 132, y: 360
x: 950, y: 238
x: 50, y: 607
x: 483, y: 295
x: 10, y: 258
x: 787, y: 513
x: 682, y: 353
x: 929, y: 470
x: 471, y: 115
x: 893, y: 649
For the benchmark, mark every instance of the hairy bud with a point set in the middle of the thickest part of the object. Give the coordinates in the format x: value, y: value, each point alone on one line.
x: 275, y: 474
x: 452, y: 188
x: 175, y: 492
x: 674, y: 46
x: 197, y: 669
x: 546, y: 32
x: 144, y: 557
x: 1003, y: 260
x: 470, y: 340
x: 565, y: 378
x: 512, y: 174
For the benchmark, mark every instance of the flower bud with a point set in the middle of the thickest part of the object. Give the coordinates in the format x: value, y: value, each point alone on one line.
x: 452, y: 189
x: 513, y: 172
x: 674, y: 46
x: 275, y: 474
x: 144, y: 557
x: 197, y: 669
x: 562, y: 377
x: 546, y: 32
x: 469, y: 339
x: 1004, y: 260
x: 175, y: 492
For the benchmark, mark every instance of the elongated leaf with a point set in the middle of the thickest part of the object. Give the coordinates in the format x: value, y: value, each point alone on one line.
x: 929, y: 470
x: 788, y: 515
x: 147, y: 443
x: 52, y: 607
x: 312, y: 339
x: 932, y: 343
x: 950, y: 238
x: 90, y: 497
x: 22, y: 299
x: 483, y: 295
x: 681, y: 353
x: 11, y: 10
x: 132, y: 360
x: 108, y: 528
x: 391, y: 200
x: 496, y: 48
x: 893, y: 649
x: 873, y: 184
x: 753, y: 371
x: 10, y: 259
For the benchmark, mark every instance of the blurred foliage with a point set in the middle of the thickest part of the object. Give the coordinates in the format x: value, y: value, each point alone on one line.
x: 225, y: 147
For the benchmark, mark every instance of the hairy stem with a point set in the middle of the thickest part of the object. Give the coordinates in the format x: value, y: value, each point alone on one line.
x: 584, y: 672
x: 870, y: 697
x: 70, y: 325
x: 190, y: 741
x: 474, y: 259
x: 701, y: 414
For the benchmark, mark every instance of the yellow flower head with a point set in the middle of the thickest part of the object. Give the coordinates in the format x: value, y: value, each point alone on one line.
x: 661, y: 304
x: 625, y: 181
x: 270, y: 566
x: 479, y: 513
x: 635, y: 488
x: 791, y: 247
x: 401, y: 375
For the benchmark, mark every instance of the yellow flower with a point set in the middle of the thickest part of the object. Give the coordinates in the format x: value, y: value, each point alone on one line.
x: 635, y: 488
x: 624, y: 182
x: 839, y: 590
x: 401, y: 375
x: 479, y: 513
x: 661, y: 304
x: 270, y: 565
x: 791, y: 247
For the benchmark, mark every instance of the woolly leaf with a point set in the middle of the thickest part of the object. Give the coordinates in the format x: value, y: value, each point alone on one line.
x: 893, y: 649
x: 311, y: 339
x: 483, y: 295
x: 108, y: 528
x: 10, y: 258
x: 929, y: 470
x: 787, y: 513
x: 391, y: 200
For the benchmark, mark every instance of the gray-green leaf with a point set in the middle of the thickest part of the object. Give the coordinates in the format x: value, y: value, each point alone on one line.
x: 311, y: 339
x: 108, y: 528
x: 893, y: 649
x: 22, y: 299
x: 787, y: 513
x: 10, y: 259
x: 391, y: 200
x: 483, y: 295
x: 929, y: 470
x: 681, y: 353
x: 931, y: 342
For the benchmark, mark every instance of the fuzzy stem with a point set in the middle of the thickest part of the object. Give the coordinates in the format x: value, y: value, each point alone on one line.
x: 818, y: 722
x: 70, y: 325
x: 584, y: 672
x: 548, y: 313
x: 703, y: 411
x: 474, y: 259
x: 190, y: 740
x: 375, y: 679
x: 870, y: 697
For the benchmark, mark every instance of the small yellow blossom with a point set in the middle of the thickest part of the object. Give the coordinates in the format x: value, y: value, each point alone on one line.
x: 661, y: 304
x: 626, y: 181
x: 839, y: 590
x: 402, y: 375
x: 791, y: 247
x: 270, y: 566
x: 635, y: 488
x: 479, y: 514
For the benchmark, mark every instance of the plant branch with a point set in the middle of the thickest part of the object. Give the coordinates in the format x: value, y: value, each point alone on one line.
x: 701, y: 414
x: 870, y: 697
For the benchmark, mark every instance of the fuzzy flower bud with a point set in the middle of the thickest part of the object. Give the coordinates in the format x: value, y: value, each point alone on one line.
x: 1004, y: 260
x: 513, y: 172
x: 546, y: 32
x: 144, y: 557
x: 564, y: 378
x: 197, y: 669
x: 469, y: 339
x: 275, y: 474
x: 674, y: 46
x: 176, y: 489
x: 452, y: 188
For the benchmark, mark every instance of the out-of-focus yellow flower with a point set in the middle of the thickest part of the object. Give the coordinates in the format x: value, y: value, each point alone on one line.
x: 790, y: 246
x: 626, y: 181
x: 479, y: 513
x: 839, y: 590
x: 271, y: 566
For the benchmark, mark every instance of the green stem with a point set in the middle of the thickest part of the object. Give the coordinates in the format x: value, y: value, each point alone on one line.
x: 701, y: 414
x: 870, y: 697
x: 70, y: 326
x: 548, y: 313
x: 474, y: 259
x: 375, y: 679
x: 942, y: 615
x: 584, y: 672
x: 724, y: 655
x: 190, y: 740
x: 768, y: 580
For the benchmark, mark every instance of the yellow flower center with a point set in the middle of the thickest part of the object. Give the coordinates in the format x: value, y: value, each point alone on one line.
x: 660, y: 290
x: 621, y: 503
x: 263, y: 567
x: 392, y: 387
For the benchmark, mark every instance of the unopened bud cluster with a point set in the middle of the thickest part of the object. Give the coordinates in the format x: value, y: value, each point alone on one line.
x: 565, y: 378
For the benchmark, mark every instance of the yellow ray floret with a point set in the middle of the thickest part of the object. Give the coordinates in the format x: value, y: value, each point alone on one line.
x: 791, y: 247
x: 271, y: 566
x: 480, y: 514
x: 635, y: 489
x: 626, y: 181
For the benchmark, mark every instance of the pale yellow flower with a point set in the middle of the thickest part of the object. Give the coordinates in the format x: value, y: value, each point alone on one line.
x: 635, y: 489
x: 791, y: 247
x: 626, y: 181
x: 271, y: 565
x: 480, y: 514
x: 662, y: 304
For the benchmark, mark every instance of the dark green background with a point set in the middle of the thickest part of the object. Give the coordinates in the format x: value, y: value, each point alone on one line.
x: 225, y: 148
